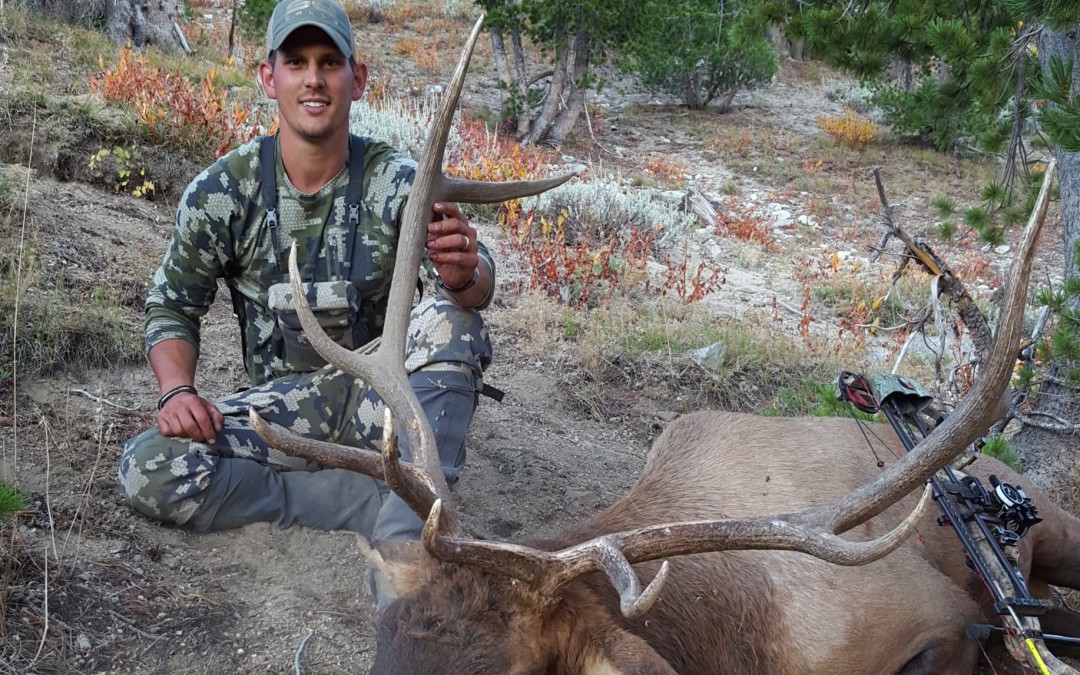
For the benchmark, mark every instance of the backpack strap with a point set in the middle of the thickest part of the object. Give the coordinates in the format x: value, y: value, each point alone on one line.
x: 354, y: 195
x: 268, y: 178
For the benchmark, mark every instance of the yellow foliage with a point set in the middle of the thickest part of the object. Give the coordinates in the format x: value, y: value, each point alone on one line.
x: 848, y: 129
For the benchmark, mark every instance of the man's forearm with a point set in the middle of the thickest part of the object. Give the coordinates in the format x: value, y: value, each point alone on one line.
x: 173, y: 362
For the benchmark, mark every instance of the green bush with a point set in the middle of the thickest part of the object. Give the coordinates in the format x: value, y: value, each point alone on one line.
x: 998, y: 447
x: 253, y: 16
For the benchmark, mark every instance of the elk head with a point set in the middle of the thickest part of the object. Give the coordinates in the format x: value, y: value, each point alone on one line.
x: 474, y: 606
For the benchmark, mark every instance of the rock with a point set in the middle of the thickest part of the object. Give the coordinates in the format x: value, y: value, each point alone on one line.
x: 82, y: 643
x: 711, y: 357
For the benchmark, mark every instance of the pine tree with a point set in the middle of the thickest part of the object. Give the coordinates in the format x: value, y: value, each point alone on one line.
x: 941, y: 70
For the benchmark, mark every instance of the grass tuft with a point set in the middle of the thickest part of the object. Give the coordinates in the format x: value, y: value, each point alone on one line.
x: 998, y: 447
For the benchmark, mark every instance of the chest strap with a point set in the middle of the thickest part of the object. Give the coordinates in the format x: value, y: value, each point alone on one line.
x: 354, y: 195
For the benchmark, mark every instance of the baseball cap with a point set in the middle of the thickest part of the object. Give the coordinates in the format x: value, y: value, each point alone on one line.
x: 324, y: 14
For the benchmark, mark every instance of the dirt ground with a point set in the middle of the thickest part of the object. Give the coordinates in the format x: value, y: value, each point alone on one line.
x: 100, y: 589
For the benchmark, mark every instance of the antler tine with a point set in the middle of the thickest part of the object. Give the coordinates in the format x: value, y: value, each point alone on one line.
x: 613, y: 554
x: 332, y: 455
x: 416, y: 484
x: 479, y: 192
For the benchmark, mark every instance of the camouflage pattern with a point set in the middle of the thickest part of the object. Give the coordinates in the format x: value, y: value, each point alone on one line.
x: 908, y: 394
x: 221, y: 234
x: 166, y: 478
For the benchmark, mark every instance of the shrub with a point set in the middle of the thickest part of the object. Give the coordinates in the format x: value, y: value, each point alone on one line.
x: 848, y: 129
x: 402, y: 122
x: 172, y: 110
x: 253, y: 17
x: 600, y: 208
x: 998, y: 447
x: 11, y: 500
x: 691, y: 49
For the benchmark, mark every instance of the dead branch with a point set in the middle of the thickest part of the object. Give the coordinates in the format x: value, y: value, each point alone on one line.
x: 300, y: 650
x: 702, y: 208
x: 105, y: 401
x: 1059, y: 424
x: 948, y: 285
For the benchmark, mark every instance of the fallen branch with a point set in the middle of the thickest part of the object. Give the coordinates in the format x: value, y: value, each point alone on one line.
x: 702, y: 208
x: 104, y: 400
x: 183, y: 40
x: 131, y: 624
x: 1059, y: 424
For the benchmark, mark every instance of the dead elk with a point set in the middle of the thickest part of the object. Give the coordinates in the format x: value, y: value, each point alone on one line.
x: 734, y: 522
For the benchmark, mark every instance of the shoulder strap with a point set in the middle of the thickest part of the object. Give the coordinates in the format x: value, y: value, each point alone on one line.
x: 268, y: 178
x: 354, y: 195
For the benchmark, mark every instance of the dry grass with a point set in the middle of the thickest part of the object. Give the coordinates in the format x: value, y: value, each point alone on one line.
x: 668, y: 355
x: 79, y: 592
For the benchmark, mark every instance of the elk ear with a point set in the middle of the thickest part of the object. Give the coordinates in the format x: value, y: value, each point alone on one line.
x: 618, y: 652
x: 397, y: 563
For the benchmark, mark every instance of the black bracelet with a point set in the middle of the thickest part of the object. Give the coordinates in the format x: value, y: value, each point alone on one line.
x: 464, y: 287
x: 182, y: 389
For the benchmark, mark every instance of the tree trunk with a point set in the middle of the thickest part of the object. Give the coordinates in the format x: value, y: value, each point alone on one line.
x: 142, y: 22
x: 692, y: 88
x: 523, y: 120
x: 551, y: 106
x: 502, y: 68
x: 1052, y: 457
x: 232, y: 28
x: 725, y: 104
x: 575, y: 102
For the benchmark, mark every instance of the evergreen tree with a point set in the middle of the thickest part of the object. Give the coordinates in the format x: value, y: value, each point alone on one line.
x: 701, y: 50
x: 1048, y: 438
x: 943, y: 70
x: 975, y: 71
x: 697, y: 49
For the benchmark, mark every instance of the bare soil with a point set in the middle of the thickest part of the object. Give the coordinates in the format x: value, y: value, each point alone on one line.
x: 95, y: 588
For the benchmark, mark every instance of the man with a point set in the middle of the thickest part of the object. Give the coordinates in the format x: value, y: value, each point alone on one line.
x: 339, y: 198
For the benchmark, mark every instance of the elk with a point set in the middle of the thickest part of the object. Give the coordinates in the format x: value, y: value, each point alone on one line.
x: 734, y: 521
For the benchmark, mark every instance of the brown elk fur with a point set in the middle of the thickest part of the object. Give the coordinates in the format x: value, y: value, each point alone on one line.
x: 769, y: 612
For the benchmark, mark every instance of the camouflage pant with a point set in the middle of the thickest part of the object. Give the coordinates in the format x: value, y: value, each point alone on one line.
x: 170, y: 478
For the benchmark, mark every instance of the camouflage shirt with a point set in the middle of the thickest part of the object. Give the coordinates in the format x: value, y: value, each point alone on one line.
x: 221, y: 233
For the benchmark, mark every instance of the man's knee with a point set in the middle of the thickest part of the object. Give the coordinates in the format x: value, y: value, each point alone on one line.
x: 440, y: 332
x: 163, y: 478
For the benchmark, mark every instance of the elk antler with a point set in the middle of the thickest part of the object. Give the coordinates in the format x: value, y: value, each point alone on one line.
x: 813, y: 531
x: 421, y: 484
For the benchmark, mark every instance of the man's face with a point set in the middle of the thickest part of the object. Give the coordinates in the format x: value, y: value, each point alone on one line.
x: 313, y: 84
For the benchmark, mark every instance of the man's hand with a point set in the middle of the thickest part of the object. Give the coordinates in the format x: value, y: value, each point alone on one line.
x: 187, y: 415
x: 451, y: 245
